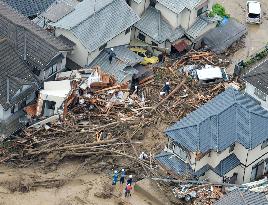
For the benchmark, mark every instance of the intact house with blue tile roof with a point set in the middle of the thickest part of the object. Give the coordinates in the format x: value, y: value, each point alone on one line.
x: 224, y: 140
x: 165, y: 22
x: 91, y: 26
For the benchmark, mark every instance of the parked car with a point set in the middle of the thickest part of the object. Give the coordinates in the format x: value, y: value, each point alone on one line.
x: 147, y: 57
x: 254, y: 12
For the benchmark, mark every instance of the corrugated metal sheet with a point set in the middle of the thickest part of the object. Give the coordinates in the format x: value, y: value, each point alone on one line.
x: 173, y: 163
x: 228, y: 118
x: 177, y: 6
x: 238, y: 197
x: 153, y: 25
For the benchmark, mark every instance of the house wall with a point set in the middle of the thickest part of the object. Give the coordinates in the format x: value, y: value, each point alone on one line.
x: 166, y: 45
x: 173, y: 18
x: 81, y: 55
x: 250, y: 89
x: 139, y: 8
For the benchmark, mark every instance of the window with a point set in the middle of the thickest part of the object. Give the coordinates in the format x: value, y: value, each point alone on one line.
x: 232, y: 148
x: 141, y: 37
x: 154, y: 44
x: 260, y: 94
x: 264, y: 144
x: 102, y: 47
x: 127, y: 31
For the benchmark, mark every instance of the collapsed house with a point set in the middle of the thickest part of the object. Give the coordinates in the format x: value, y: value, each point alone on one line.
x: 211, y: 142
x: 121, y: 65
x: 83, y: 22
x: 221, y: 38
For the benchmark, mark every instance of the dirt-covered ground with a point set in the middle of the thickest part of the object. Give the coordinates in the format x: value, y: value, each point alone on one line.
x: 76, y: 187
x: 257, y: 34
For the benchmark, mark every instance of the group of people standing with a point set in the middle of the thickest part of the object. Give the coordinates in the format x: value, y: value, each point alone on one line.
x: 129, y: 181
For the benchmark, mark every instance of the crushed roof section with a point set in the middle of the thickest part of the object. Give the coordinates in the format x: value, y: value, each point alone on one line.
x: 14, y: 74
x: 29, y: 7
x: 153, y: 24
x: 173, y: 163
x: 122, y: 64
x: 258, y: 77
x: 222, y: 37
x: 228, y: 118
x: 177, y: 6
x: 10, y: 18
x: 93, y: 29
x: 246, y: 197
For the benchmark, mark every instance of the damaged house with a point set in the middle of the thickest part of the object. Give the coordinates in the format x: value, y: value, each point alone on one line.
x: 29, y: 56
x: 225, y: 140
x: 44, y: 53
x: 93, y: 26
x: 164, y: 23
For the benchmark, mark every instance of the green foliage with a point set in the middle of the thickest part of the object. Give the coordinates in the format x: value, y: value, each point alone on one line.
x: 218, y: 9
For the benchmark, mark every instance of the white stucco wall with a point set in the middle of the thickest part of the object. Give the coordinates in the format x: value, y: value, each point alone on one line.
x: 173, y: 18
x: 139, y: 8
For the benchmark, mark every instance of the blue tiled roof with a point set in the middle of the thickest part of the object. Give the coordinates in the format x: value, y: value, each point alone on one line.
x: 222, y: 168
x: 238, y: 197
x: 153, y: 25
x: 29, y: 7
x: 95, y: 27
x: 228, y: 118
x: 173, y: 163
x: 121, y: 66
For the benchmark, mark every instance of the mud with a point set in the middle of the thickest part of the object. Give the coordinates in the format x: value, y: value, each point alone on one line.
x: 257, y: 34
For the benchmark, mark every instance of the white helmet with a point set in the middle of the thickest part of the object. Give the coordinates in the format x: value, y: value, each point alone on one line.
x: 112, y: 49
x: 130, y: 176
x: 167, y: 83
x: 123, y: 170
x: 115, y: 171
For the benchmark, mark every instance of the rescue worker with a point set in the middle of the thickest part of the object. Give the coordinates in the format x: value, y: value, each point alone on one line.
x: 115, y: 177
x: 123, y: 175
x: 143, y: 156
x: 130, y: 180
x: 166, y: 88
x: 128, y: 190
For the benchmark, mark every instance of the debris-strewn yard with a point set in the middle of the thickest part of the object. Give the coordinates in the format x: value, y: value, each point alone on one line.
x: 105, y: 133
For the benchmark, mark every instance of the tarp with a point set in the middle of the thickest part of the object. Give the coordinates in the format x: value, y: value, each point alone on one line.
x: 222, y: 37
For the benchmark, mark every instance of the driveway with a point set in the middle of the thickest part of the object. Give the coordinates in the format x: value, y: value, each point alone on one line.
x: 257, y: 35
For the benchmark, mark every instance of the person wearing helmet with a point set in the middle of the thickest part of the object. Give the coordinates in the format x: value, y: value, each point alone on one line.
x: 115, y: 178
x: 166, y: 88
x: 130, y: 180
x: 128, y: 190
x: 123, y: 175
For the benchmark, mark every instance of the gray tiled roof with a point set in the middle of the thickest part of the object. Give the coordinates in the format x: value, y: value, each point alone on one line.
x: 57, y: 11
x: 23, y: 26
x: 238, y: 197
x: 29, y: 7
x: 93, y: 29
x: 258, y: 77
x: 228, y: 118
x: 199, y: 26
x: 177, y: 6
x: 119, y: 67
x: 225, y: 166
x: 14, y: 73
x: 173, y: 163
x: 222, y: 37
x: 154, y: 25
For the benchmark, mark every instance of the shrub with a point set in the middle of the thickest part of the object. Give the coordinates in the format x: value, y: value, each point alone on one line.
x: 218, y: 9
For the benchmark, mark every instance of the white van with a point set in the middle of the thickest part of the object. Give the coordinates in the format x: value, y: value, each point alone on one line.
x: 253, y: 12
